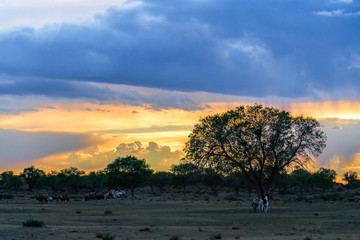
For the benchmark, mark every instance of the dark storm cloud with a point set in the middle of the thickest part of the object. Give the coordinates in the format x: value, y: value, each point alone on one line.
x: 18, y: 146
x: 252, y: 48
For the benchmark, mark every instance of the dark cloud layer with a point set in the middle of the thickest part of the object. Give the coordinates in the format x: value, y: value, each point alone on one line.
x: 18, y: 146
x: 252, y: 48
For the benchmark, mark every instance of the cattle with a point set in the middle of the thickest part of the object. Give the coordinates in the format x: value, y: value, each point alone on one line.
x: 94, y: 196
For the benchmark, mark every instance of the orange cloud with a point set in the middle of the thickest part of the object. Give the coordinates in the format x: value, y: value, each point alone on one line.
x: 113, y: 123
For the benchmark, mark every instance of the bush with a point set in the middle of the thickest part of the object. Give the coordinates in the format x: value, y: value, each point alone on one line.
x: 217, y: 236
x: 108, y: 236
x: 175, y: 237
x: 7, y: 196
x: 331, y: 197
x: 108, y: 212
x: 78, y: 211
x: 33, y: 223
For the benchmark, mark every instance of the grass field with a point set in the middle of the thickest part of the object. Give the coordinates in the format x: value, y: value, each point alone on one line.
x: 150, y: 217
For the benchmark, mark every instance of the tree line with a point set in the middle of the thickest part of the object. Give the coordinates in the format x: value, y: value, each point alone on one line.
x: 255, y: 145
x: 130, y: 173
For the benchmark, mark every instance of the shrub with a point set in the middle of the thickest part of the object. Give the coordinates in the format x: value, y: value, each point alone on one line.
x: 108, y: 236
x: 175, y: 237
x: 7, y: 196
x: 235, y: 226
x: 108, y: 212
x: 217, y: 236
x: 33, y: 223
x: 144, y: 229
x: 206, y: 198
x: 332, y: 197
x: 98, y: 235
x: 78, y: 211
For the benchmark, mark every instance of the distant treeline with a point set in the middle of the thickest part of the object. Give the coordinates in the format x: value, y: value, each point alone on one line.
x: 130, y: 173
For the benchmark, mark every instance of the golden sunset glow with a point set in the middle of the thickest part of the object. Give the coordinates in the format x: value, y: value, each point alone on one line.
x: 108, y: 125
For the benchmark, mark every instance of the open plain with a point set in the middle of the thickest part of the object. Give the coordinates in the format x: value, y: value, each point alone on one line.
x: 179, y: 217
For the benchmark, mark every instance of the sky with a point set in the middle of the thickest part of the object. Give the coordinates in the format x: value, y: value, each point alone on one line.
x: 83, y: 82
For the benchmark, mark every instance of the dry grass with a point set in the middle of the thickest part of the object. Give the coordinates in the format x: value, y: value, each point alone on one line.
x: 189, y: 219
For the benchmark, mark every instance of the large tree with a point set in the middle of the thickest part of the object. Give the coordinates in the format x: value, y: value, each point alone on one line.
x: 129, y: 172
x: 31, y: 176
x: 256, y: 140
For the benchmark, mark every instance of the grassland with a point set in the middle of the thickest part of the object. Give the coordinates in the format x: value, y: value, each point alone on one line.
x: 178, y: 217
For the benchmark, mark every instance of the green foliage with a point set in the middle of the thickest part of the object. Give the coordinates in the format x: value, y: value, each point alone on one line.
x: 7, y: 196
x: 184, y: 174
x: 11, y: 181
x: 213, y: 179
x: 236, y: 180
x: 258, y: 141
x: 352, y: 179
x: 94, y: 180
x: 71, y: 178
x: 107, y: 236
x: 331, y: 197
x: 323, y: 178
x: 217, y: 236
x: 33, y: 223
x: 129, y: 172
x: 160, y: 180
x: 31, y: 176
x: 175, y: 237
x: 300, y: 178
x: 108, y: 212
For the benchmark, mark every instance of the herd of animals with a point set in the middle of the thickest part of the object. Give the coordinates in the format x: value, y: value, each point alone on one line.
x: 258, y: 203
x: 47, y: 198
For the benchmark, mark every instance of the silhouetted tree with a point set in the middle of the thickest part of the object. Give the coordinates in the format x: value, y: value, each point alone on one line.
x: 11, y: 181
x: 212, y: 179
x: 300, y: 178
x: 323, y: 178
x: 184, y: 174
x: 129, y: 172
x: 237, y: 181
x: 258, y: 141
x: 94, y: 180
x: 352, y: 179
x: 71, y: 178
x: 31, y: 176
x: 51, y: 180
x: 159, y: 180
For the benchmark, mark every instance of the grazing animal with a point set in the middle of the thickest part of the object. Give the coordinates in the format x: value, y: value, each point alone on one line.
x: 41, y: 198
x: 255, y: 204
x: 262, y: 203
x: 117, y: 194
x: 64, y: 199
x: 94, y: 196
x: 265, y: 204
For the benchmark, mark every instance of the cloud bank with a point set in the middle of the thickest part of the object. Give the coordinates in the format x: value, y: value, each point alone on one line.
x: 157, y: 156
x: 233, y: 47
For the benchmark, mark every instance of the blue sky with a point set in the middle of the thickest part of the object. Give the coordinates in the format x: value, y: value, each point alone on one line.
x: 176, y: 55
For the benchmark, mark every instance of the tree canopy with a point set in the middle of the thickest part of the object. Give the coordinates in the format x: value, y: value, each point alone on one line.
x: 256, y: 140
x: 129, y: 172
